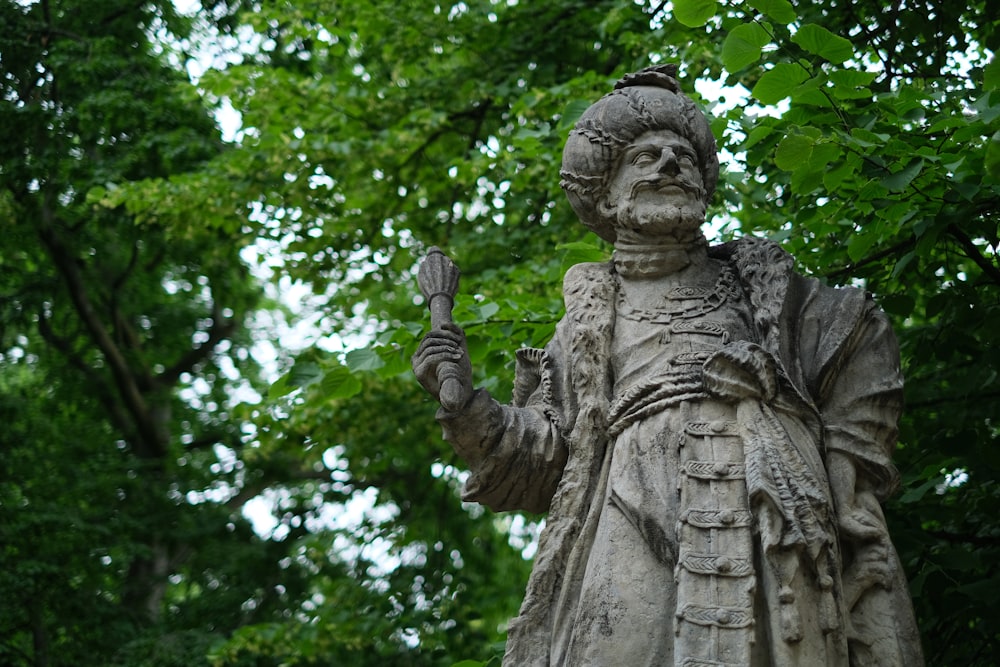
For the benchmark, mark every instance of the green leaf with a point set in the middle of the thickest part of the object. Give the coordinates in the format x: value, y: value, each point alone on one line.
x: 991, y: 74
x: 903, y: 262
x: 988, y: 108
x: 980, y: 591
x: 578, y: 252
x: 478, y: 346
x: 793, y: 152
x: 779, y: 10
x: 915, y: 494
x: 899, y: 181
x: 488, y: 310
x: 852, y: 78
x: 396, y: 361
x: 756, y: 135
x: 742, y: 46
x: 937, y: 304
x: 694, y: 13
x: 992, y: 159
x: 858, y: 245
x: 807, y: 96
x: 96, y: 195
x: 280, y: 387
x: 823, y: 43
x: 364, y: 359
x: 823, y: 154
x: 340, y: 383
x: 849, y: 84
x: 302, y: 374
x: 778, y: 82
x: 833, y: 178
x: 572, y: 112
x: 866, y: 138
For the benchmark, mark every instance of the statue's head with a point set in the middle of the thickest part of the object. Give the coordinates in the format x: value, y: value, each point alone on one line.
x: 641, y: 157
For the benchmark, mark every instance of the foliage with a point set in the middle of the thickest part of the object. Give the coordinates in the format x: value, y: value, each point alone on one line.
x: 864, y: 136
x: 122, y: 343
x: 878, y: 172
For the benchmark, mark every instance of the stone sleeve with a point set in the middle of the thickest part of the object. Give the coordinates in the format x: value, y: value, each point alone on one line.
x: 861, y: 401
x: 517, y: 453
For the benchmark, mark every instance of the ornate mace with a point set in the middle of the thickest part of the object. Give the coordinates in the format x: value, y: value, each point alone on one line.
x: 438, y: 280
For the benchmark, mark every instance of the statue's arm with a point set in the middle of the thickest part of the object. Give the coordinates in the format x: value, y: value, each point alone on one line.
x: 860, y: 406
x: 515, y: 453
x: 860, y: 411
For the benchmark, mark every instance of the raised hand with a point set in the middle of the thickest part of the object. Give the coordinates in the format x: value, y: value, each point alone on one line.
x: 443, y: 356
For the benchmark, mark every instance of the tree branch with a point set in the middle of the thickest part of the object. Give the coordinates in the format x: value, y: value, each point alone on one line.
x: 111, y: 17
x: 118, y: 417
x: 973, y: 253
x: 133, y: 260
x: 871, y: 259
x: 221, y: 329
x: 477, y: 114
x: 125, y: 335
x: 131, y: 395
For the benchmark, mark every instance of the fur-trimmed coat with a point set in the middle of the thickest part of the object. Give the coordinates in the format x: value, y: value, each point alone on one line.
x: 839, y: 389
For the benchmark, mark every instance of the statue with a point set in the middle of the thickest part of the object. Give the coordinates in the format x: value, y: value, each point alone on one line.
x: 709, y: 432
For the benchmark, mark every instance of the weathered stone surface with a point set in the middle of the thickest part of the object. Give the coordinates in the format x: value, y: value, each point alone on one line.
x: 709, y: 431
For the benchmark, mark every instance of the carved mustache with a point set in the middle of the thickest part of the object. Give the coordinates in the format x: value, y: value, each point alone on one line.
x: 662, y: 182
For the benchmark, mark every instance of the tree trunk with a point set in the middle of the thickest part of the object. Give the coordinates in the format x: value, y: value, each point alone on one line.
x: 39, y: 634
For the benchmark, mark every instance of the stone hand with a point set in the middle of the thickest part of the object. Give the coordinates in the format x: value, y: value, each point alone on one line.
x: 443, y: 355
x: 869, y: 568
x: 858, y: 513
x: 860, y: 523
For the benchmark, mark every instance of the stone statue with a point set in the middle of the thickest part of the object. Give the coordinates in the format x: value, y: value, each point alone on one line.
x: 709, y: 432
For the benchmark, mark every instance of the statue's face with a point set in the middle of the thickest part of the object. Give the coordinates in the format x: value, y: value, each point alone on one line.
x: 657, y: 186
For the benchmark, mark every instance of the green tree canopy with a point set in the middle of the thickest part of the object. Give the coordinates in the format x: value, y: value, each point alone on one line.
x: 864, y: 136
x: 122, y: 342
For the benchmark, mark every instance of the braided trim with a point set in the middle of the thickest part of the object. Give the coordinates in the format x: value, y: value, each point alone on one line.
x: 582, y: 184
x: 598, y: 135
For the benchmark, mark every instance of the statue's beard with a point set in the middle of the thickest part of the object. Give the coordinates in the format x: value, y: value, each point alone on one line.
x: 682, y: 220
x: 677, y: 217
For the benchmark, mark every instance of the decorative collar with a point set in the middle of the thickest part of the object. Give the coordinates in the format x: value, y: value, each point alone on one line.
x: 633, y: 260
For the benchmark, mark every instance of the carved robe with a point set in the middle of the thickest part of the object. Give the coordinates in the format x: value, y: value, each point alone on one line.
x: 690, y: 517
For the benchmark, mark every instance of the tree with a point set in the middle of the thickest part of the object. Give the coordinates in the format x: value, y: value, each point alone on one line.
x: 883, y: 171
x: 864, y: 138
x: 874, y: 162
x: 122, y: 339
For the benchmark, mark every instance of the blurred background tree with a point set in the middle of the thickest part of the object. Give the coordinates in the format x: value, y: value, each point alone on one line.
x: 186, y: 478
